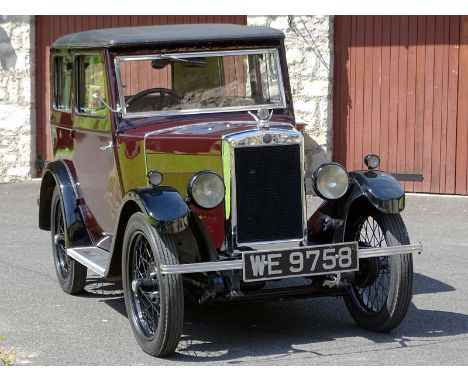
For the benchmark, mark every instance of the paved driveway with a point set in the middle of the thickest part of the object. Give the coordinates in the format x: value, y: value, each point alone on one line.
x: 44, y: 326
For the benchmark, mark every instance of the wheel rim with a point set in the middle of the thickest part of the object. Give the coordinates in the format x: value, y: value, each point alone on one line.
x: 62, y: 261
x: 145, y: 305
x: 371, y: 297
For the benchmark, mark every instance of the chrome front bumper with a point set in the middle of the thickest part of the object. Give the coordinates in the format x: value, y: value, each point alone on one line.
x: 230, y: 265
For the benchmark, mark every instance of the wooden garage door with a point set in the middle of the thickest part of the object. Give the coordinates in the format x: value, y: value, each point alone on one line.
x: 49, y: 28
x: 401, y: 90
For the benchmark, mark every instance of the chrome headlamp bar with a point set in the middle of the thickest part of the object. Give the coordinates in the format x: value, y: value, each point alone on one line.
x: 230, y: 265
x: 366, y: 253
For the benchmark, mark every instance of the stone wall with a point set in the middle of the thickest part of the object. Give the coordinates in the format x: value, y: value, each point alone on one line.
x: 17, y: 132
x: 309, y: 45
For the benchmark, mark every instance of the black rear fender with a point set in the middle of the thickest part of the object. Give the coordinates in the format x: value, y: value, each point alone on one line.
x: 57, y: 173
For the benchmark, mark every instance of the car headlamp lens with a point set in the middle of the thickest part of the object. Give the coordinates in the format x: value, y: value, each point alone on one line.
x: 206, y: 189
x: 331, y: 181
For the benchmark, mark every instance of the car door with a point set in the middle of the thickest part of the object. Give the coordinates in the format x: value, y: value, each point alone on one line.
x: 94, y: 156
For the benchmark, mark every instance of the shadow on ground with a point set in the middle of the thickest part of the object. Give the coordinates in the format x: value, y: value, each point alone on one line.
x: 279, y: 329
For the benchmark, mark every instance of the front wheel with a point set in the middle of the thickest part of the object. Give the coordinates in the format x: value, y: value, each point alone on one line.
x: 381, y: 291
x: 154, y: 302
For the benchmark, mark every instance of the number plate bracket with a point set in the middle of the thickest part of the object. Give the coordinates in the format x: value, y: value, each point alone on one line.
x: 300, y: 262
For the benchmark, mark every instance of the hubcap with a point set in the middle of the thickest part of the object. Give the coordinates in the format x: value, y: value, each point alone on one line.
x: 372, y: 284
x: 143, y: 285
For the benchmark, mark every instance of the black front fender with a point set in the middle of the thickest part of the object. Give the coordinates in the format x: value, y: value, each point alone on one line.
x: 164, y: 207
x: 165, y: 210
x: 374, y: 189
x: 381, y: 189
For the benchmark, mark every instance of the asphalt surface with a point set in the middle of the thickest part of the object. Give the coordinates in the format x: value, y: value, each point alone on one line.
x: 41, y: 325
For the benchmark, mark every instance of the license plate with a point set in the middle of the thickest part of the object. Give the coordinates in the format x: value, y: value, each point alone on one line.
x: 300, y: 262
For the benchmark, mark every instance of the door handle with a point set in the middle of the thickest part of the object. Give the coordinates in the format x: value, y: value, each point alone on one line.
x: 108, y: 147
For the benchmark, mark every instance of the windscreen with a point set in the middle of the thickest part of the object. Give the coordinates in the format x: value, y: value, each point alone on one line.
x: 178, y: 83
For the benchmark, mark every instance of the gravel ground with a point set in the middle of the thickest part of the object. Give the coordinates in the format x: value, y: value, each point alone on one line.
x: 41, y: 325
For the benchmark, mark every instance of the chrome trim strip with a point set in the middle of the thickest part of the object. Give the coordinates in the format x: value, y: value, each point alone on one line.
x: 212, y: 266
x: 201, y: 53
x: 230, y: 265
x: 166, y: 113
x: 123, y: 106
x: 266, y: 245
x: 366, y: 253
x: 254, y: 137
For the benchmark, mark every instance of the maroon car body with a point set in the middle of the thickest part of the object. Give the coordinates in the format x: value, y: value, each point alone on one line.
x: 178, y: 168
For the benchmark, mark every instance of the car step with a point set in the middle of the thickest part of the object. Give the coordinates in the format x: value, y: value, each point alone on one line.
x: 94, y: 258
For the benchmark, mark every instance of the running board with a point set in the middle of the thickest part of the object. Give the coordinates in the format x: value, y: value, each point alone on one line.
x: 94, y: 258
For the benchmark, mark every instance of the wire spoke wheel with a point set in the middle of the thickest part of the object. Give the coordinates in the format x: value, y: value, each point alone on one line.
x: 154, y: 302
x: 372, y: 291
x: 145, y: 303
x: 380, y: 292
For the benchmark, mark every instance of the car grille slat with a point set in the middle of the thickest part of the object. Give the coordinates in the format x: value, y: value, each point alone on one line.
x: 268, y: 193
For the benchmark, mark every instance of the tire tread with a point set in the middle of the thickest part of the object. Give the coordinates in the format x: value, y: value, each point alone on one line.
x: 171, y: 290
x: 76, y: 280
x: 395, y: 232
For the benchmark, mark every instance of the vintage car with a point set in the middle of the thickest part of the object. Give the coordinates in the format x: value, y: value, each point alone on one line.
x: 178, y: 169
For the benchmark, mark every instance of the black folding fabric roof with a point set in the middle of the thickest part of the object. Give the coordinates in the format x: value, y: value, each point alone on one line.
x: 181, y: 34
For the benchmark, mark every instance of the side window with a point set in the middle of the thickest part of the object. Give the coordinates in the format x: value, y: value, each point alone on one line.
x: 62, y: 83
x: 91, y: 85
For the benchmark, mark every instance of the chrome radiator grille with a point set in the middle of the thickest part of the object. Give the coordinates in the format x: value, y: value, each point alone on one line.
x: 268, y: 193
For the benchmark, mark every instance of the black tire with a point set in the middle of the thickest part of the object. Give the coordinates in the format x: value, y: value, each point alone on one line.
x: 381, y: 292
x: 71, y: 274
x: 156, y: 317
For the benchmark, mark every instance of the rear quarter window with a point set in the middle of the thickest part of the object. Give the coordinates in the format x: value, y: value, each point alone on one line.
x: 63, y: 67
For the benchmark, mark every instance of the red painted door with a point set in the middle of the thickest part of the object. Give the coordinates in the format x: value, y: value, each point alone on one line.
x: 401, y: 90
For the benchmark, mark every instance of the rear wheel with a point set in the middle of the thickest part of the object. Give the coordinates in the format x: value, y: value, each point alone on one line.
x: 154, y: 302
x: 382, y: 289
x: 71, y: 275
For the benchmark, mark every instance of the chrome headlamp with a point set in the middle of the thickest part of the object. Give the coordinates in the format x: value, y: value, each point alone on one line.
x: 330, y: 181
x: 206, y: 189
